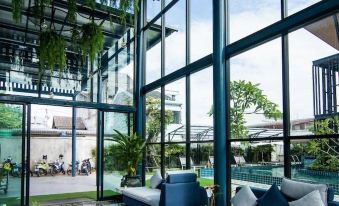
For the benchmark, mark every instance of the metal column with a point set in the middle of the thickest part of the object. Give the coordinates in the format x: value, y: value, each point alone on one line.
x: 139, y: 99
x: 74, y: 141
x: 219, y: 100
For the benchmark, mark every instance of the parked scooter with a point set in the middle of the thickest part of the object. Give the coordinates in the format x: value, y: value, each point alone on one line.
x: 69, y: 170
x: 11, y: 166
x: 86, y: 167
x: 41, y: 167
x: 57, y: 166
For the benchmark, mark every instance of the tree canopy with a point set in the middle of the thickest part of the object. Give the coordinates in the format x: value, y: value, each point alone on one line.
x: 248, y: 98
x: 11, y: 117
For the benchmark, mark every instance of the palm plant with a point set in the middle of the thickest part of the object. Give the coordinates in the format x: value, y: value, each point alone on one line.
x: 129, y: 150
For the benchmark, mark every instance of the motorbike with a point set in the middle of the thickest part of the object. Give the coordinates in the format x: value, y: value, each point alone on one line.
x: 57, y: 166
x: 86, y: 167
x: 41, y: 167
x: 69, y: 170
x: 12, y: 167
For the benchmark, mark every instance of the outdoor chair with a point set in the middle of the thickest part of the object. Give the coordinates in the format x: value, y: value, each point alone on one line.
x: 193, y: 166
x: 211, y: 161
x: 239, y: 160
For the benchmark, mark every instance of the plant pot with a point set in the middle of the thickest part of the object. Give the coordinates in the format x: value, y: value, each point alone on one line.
x: 131, y: 181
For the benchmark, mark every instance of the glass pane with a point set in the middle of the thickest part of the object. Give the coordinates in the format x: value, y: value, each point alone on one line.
x: 256, y: 92
x: 202, y: 162
x: 175, y: 43
x: 153, y: 116
x: 247, y: 17
x: 153, y: 8
x: 118, y: 77
x: 114, y: 168
x: 256, y: 164
x: 175, y: 157
x: 152, y: 161
x: 51, y: 154
x: 201, y: 29
x: 314, y: 60
x: 201, y: 105
x: 316, y: 161
x: 297, y: 5
x: 10, y: 153
x: 175, y: 106
x: 153, y: 53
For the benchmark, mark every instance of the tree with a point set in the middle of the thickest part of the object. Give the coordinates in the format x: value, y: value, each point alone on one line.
x: 153, y: 126
x: 248, y: 98
x: 153, y: 118
x: 325, y: 151
x: 11, y: 117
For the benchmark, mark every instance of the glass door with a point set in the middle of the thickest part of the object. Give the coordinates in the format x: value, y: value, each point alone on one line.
x: 12, y: 154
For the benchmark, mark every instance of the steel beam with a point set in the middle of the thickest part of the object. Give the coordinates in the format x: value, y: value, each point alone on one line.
x: 74, y: 141
x: 219, y: 101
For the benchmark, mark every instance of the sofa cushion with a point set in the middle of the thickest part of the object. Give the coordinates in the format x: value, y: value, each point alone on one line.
x: 244, y: 197
x: 273, y: 195
x: 143, y: 194
x: 296, y: 190
x: 181, y: 178
x: 311, y: 199
x: 156, y: 179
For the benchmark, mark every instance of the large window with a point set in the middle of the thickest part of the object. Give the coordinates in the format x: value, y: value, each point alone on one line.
x: 283, y: 93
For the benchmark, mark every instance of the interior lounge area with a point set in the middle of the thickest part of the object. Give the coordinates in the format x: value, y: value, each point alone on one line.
x: 169, y: 103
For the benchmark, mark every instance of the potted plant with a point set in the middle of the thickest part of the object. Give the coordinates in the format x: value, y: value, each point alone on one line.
x: 129, y: 150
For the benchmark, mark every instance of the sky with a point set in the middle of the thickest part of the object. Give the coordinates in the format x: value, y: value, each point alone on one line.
x: 260, y: 65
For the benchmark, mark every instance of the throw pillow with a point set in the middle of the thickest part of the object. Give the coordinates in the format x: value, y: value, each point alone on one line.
x: 273, y: 196
x: 297, y: 190
x: 311, y: 199
x: 244, y: 197
x: 156, y: 179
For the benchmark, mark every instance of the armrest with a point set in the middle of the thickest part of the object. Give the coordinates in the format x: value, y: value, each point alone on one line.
x: 180, y: 194
x: 333, y: 203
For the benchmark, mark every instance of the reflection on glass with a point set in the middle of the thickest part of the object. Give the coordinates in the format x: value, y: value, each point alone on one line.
x: 256, y: 92
x: 314, y: 61
x: 153, y: 53
x: 10, y: 154
x: 118, y: 77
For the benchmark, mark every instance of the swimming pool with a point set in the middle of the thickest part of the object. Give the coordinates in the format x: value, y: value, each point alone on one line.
x: 269, y: 174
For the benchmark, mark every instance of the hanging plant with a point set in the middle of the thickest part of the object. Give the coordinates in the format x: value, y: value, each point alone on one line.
x: 39, y: 8
x: 51, y: 52
x: 16, y: 10
x: 92, y: 41
x: 72, y: 11
x: 126, y: 5
x: 90, y: 3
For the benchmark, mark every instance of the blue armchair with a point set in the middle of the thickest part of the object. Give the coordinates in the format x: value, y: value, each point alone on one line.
x: 258, y: 192
x: 183, y: 189
x: 178, y: 189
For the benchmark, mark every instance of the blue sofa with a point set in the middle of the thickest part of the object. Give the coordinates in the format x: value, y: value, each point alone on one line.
x: 258, y: 192
x: 178, y: 189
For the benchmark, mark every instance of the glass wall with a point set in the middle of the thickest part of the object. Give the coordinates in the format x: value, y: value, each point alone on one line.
x: 10, y: 153
x: 283, y: 94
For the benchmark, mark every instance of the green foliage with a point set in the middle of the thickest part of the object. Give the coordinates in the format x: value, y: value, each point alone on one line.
x: 92, y: 41
x: 153, y: 121
x: 16, y: 10
x: 325, y: 151
x: 201, y: 153
x: 90, y: 3
x: 11, y: 117
x: 72, y: 9
x: 248, y: 98
x: 51, y: 52
x: 39, y: 8
x: 260, y: 153
x: 129, y: 151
